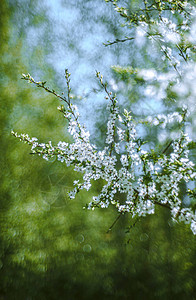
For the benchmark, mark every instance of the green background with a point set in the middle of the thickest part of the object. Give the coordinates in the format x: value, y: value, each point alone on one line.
x: 50, y: 248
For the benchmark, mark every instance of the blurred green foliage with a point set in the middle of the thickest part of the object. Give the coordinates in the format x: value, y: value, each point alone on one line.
x: 50, y: 248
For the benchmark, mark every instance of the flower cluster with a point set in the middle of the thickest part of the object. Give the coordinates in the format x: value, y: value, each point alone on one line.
x: 162, y: 120
x: 146, y: 178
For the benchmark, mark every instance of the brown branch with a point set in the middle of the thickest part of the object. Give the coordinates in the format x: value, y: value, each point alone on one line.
x: 114, y: 223
x: 162, y: 204
x: 118, y: 41
x: 167, y: 147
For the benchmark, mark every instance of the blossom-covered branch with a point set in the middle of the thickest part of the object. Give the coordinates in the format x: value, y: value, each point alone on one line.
x: 146, y: 178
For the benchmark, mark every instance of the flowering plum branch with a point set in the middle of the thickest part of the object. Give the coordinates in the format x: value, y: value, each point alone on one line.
x: 147, y: 178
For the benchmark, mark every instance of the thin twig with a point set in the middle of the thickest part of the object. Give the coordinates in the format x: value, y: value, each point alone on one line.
x: 167, y: 147
x: 118, y: 41
x: 162, y: 204
x: 131, y: 226
x: 114, y: 223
